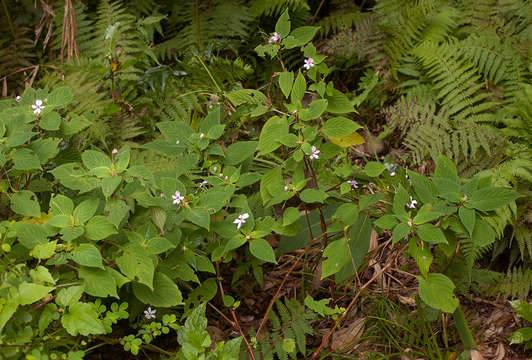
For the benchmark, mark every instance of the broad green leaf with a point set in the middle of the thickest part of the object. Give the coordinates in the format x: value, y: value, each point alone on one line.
x: 431, y: 234
x: 337, y: 256
x: 400, y: 199
x: 261, y: 249
x: 41, y: 274
x: 7, y: 310
x: 437, y: 292
x: 399, y: 232
x: 158, y: 245
x: 83, y: 319
x: 87, y: 255
x: 93, y: 159
x: 426, y: 214
x: 61, y: 205
x: 446, y: 169
x: 374, y: 168
x: 243, y: 96
x: 198, y: 217
x: 74, y: 125
x: 338, y: 127
x: 44, y: 251
x: 240, y: 151
x: 99, y: 228
x: 25, y: 159
x: 109, y: 185
x: 483, y: 235
x: 48, y: 315
x: 136, y: 264
x: 60, y: 96
x: 425, y: 190
x: 313, y: 195
x: 467, y: 217
x: 45, y: 149
x: 300, y: 36
x: 235, y: 242
x: 448, y: 189
x: 25, y: 203
x: 299, y: 88
x: 321, y: 307
x: 98, y: 282
x: 422, y: 255
x: 347, y: 213
x: 386, y: 222
x: 487, y: 199
x: 30, y: 235
x: 50, y: 121
x: 349, y: 140
x: 165, y: 292
x: 523, y: 308
x: 273, y: 130
x: 338, y: 103
x: 74, y: 177
x: 29, y: 293
x: 286, y: 79
x: 175, y: 132
x: 523, y: 335
x: 86, y: 210
x: 290, y: 216
x: 314, y: 111
x: 69, y: 295
x: 282, y: 27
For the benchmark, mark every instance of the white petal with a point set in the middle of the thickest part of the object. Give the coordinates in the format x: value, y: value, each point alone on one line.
x: 245, y: 216
x: 38, y: 102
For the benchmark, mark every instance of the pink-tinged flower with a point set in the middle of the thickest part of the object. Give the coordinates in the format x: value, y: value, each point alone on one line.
x: 274, y: 38
x: 114, y: 152
x: 149, y: 313
x: 202, y: 135
x: 162, y: 196
x: 315, y: 153
x: 241, y: 220
x: 353, y: 184
x: 18, y: 98
x: 286, y: 188
x: 309, y: 63
x: 37, y: 107
x: 178, y: 198
x: 412, y: 204
x: 203, y: 184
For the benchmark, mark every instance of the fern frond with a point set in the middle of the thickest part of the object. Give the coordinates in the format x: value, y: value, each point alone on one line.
x: 17, y: 53
x: 515, y: 283
x: 344, y: 16
x: 275, y: 7
x: 84, y: 24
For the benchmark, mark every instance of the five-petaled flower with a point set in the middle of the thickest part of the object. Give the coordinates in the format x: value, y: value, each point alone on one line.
x: 274, y: 38
x: 241, y: 220
x: 149, y: 313
x: 37, y: 107
x: 203, y: 184
x: 412, y: 204
x: 353, y: 184
x: 314, y: 153
x: 18, y: 98
x: 308, y: 63
x: 178, y: 198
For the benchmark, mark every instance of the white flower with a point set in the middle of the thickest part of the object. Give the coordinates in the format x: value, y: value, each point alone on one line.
x: 115, y: 151
x: 18, y: 98
x: 308, y: 63
x: 353, y: 183
x: 162, y: 196
x: 202, y: 135
x: 412, y: 204
x: 37, y: 107
x: 203, y: 184
x: 315, y: 153
x: 215, y: 169
x: 241, y: 220
x: 178, y: 198
x: 149, y: 313
x: 274, y: 38
x: 177, y: 142
x: 391, y: 168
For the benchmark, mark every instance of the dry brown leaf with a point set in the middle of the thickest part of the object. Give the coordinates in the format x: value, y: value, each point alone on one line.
x: 499, y: 355
x: 407, y: 300
x: 348, y: 335
x: 475, y: 355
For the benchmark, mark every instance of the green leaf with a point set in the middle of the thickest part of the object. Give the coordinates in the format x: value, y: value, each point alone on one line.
x: 25, y: 203
x: 98, y: 282
x: 282, y: 27
x: 467, y: 217
x: 386, y: 222
x: 69, y: 295
x: 299, y: 88
x: 313, y: 195
x: 290, y: 216
x: 483, y: 235
x: 235, y: 242
x: 286, y: 79
x: 520, y: 336
x: 338, y: 103
x: 425, y: 190
x: 422, y: 255
x: 347, y: 213
x: 44, y: 251
x: 41, y: 274
x: 359, y: 236
x: 399, y: 232
x: 29, y: 293
x: 437, y: 292
x: 198, y: 217
x: 165, y: 292
x: 425, y: 214
x: 240, y: 151
x: 30, y: 235
x: 523, y: 308
x: 446, y: 169
x: 87, y: 255
x: 99, y: 228
x: 400, y: 199
x: 60, y: 97
x: 431, y: 234
x: 273, y: 130
x: 337, y: 255
x: 61, y: 205
x: 50, y: 121
x: 74, y: 177
x: 321, y: 307
x: 109, y: 185
x: 374, y: 168
x: 25, y: 159
x: 83, y: 319
x: 75, y: 125
x: 300, y: 36
x: 48, y: 315
x: 86, y: 210
x: 261, y: 249
x: 136, y: 264
x: 448, y: 189
x: 45, y: 149
x: 158, y: 245
x: 314, y: 111
x: 487, y: 199
x: 338, y: 127
x: 94, y: 159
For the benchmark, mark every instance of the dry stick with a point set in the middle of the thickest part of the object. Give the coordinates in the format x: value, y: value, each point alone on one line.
x: 326, y: 338
x: 235, y: 319
x: 222, y: 315
x: 274, y: 299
